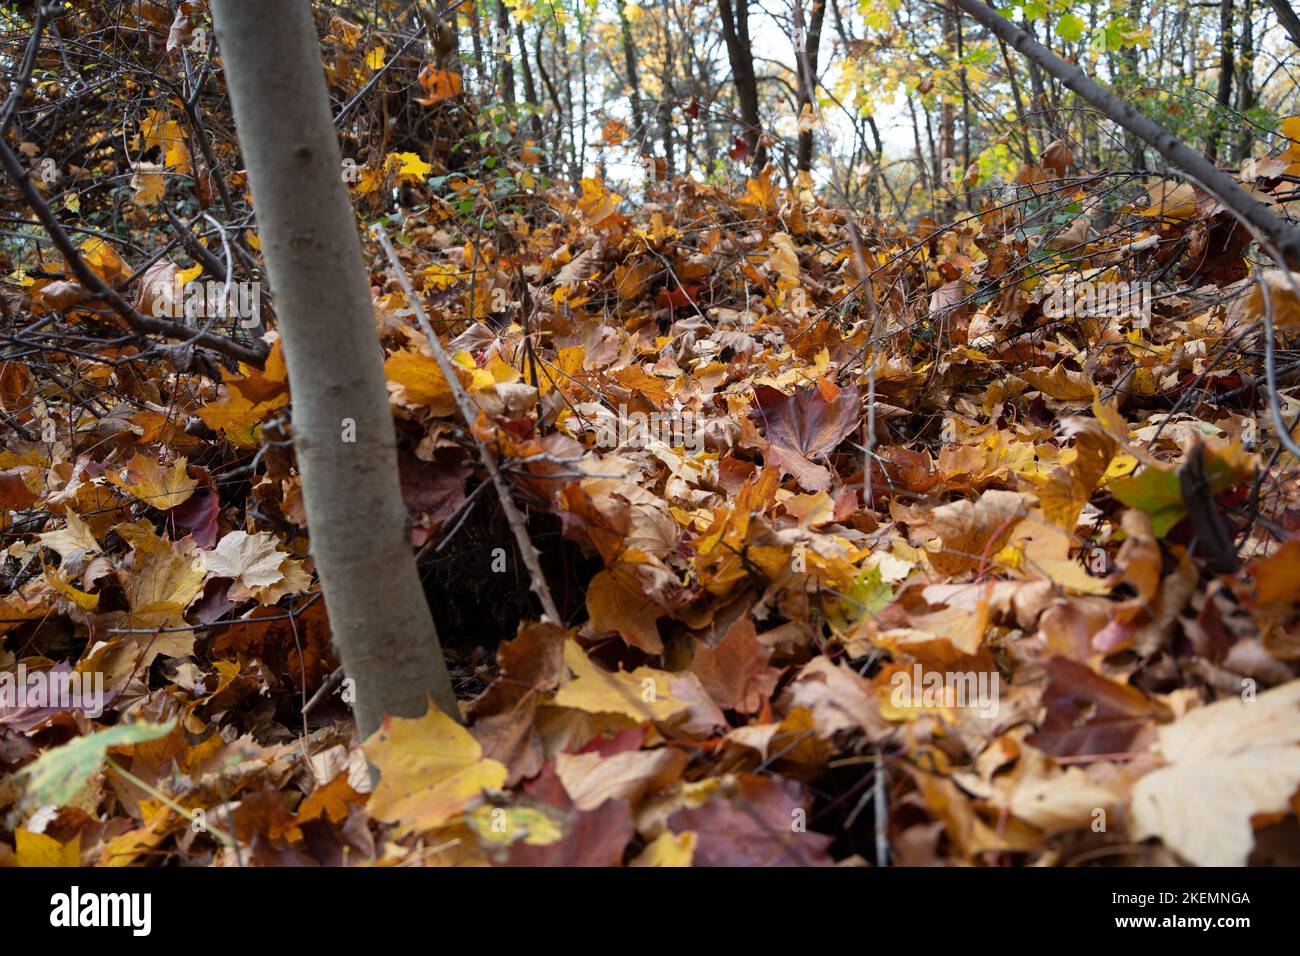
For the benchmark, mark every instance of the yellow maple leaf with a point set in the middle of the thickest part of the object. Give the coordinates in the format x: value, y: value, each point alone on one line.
x: 784, y: 257
x: 669, y: 849
x: 74, y: 536
x: 1068, y: 487
x: 104, y: 260
x: 78, y: 597
x: 157, y: 130
x: 430, y: 769
x: 421, y: 380
x: 1060, y: 383
x: 149, y: 183
x: 759, y: 192
x: 167, y: 576
x: 156, y: 486
x: 410, y: 167
x: 40, y: 849
x: 597, y: 203
x: 642, y: 694
x: 125, y: 848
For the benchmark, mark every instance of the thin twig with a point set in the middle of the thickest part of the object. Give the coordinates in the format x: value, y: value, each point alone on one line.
x: 527, y: 551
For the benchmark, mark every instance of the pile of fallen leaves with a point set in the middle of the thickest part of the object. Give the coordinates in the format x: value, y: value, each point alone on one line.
x: 779, y: 465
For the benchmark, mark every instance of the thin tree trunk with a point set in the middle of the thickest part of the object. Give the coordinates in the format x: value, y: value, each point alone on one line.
x: 476, y: 34
x: 1027, y: 152
x: 530, y: 86
x: 342, y: 424
x: 1246, y: 76
x: 965, y: 107
x: 557, y: 136
x: 666, y: 95
x: 735, y: 32
x: 507, y: 68
x: 807, y: 54
x: 633, y: 79
x: 1224, y: 96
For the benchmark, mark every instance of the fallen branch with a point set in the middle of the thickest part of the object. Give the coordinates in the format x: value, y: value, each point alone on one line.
x: 1284, y: 236
x: 1286, y: 16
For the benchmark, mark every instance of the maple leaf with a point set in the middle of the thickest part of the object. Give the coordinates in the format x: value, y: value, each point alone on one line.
x: 1088, y: 714
x: 668, y: 849
x: 74, y: 537
x: 39, y: 849
x: 617, y: 601
x: 1239, y: 758
x: 749, y: 824
x: 163, y: 580
x: 410, y: 167
x: 972, y: 532
x: 1068, y: 487
x: 247, y: 399
x: 148, y: 481
x: 643, y: 694
x: 597, y: 203
x: 784, y: 257
x: 1275, y: 577
x: 256, y: 567
x: 1061, y: 383
x: 430, y: 769
x: 421, y: 380
x: 736, y: 673
x: 614, y: 132
x: 592, y: 778
x: 81, y: 599
x: 438, y: 85
x: 812, y: 421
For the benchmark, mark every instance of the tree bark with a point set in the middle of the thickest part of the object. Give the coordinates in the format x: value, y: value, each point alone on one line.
x: 1281, y: 234
x: 807, y: 55
x: 1246, y: 77
x: 633, y: 79
x: 666, y: 93
x: 1224, y: 95
x: 530, y: 87
x: 342, y: 424
x: 507, y: 68
x: 735, y: 32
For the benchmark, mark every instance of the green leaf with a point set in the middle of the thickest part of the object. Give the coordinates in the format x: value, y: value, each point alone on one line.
x: 1155, y: 491
x: 1069, y: 28
x: 57, y: 776
x: 868, y: 595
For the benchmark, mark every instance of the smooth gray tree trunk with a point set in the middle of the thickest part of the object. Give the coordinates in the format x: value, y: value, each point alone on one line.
x: 356, y: 518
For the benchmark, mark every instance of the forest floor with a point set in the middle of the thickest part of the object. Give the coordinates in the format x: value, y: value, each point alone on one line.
x: 964, y: 543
